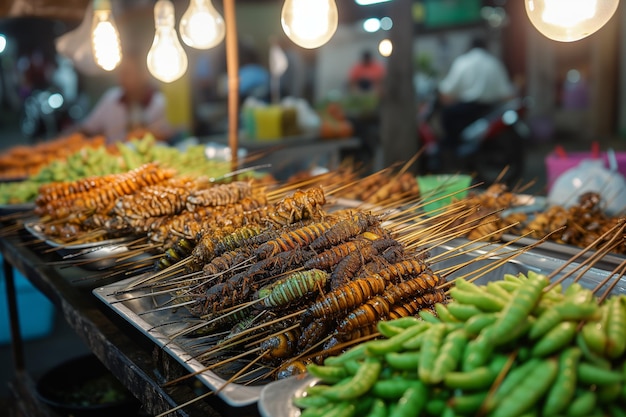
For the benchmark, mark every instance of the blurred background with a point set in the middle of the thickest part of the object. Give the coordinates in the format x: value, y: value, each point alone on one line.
x: 575, y: 91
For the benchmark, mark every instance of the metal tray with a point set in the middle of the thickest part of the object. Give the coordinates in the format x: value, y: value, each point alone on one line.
x: 276, y: 397
x: 160, y: 326
x: 93, y: 255
x: 565, y: 251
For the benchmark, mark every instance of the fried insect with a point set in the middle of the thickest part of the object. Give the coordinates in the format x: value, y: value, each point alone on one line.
x: 345, y: 229
x: 175, y: 254
x: 333, y: 255
x: 313, y: 333
x: 238, y: 238
x: 293, y: 288
x: 413, y: 306
x: 226, y: 261
x: 293, y: 239
x: 102, y: 198
x: 301, y: 205
x: 344, y: 298
x: 406, y: 269
x: 348, y: 267
x: 378, y: 307
x: 281, y: 345
x: 204, y: 250
x: 219, y: 195
x: 338, y: 338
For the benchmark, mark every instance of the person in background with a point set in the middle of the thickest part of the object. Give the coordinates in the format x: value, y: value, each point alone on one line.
x: 476, y: 81
x: 132, y: 108
x: 367, y: 75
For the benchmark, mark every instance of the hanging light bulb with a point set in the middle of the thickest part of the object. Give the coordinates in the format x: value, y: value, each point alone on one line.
x: 201, y: 26
x: 569, y: 20
x: 105, y: 40
x: 309, y: 23
x: 167, y: 60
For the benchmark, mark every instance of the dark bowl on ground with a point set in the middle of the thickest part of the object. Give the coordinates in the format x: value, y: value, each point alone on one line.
x: 83, y: 387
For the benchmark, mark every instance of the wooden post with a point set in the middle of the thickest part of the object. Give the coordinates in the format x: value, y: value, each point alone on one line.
x: 398, y: 107
x: 232, y: 69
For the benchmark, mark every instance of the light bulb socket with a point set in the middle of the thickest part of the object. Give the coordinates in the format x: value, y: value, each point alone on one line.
x: 163, y: 14
x: 102, y: 5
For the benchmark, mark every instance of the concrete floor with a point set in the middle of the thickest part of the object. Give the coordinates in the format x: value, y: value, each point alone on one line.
x: 61, y: 344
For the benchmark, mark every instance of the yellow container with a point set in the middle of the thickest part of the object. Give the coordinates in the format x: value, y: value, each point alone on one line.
x: 268, y: 122
x: 437, y: 191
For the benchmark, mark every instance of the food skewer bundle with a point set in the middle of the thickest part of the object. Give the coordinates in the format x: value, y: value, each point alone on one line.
x: 135, y: 203
x: 580, y: 224
x: 486, y: 222
x: 519, y: 346
x: 295, y: 291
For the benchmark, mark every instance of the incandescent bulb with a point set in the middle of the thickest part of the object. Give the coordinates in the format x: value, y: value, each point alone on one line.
x: 167, y: 60
x: 201, y: 26
x: 569, y: 20
x: 309, y: 23
x: 105, y: 40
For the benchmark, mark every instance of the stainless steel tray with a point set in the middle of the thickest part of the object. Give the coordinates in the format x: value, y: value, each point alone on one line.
x: 160, y: 326
x: 92, y: 255
x: 276, y: 397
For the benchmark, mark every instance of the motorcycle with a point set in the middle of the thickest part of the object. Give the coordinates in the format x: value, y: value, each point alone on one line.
x: 491, y: 147
x: 47, y: 112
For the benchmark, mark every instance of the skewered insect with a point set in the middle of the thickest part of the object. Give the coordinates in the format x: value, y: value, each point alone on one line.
x: 344, y: 298
x: 301, y: 205
x: 281, y: 345
x: 345, y: 229
x: 293, y: 239
x: 238, y: 238
x: 292, y: 288
x: 414, y: 305
x: 348, y: 267
x: 219, y: 194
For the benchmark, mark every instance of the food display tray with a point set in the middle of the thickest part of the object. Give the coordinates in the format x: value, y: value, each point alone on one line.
x: 565, y: 251
x: 276, y: 397
x: 160, y: 326
x: 92, y: 255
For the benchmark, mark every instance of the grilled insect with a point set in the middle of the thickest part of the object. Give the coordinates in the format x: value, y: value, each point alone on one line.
x: 345, y: 229
x: 293, y: 239
x: 292, y: 288
x: 219, y: 194
x: 238, y: 238
x: 281, y: 345
x: 333, y: 255
x: 413, y: 306
x: 378, y: 307
x: 301, y: 205
x: 175, y: 254
x: 344, y: 298
x: 348, y: 267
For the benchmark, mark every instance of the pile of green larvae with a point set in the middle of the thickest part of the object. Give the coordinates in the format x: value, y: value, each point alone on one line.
x: 518, y: 346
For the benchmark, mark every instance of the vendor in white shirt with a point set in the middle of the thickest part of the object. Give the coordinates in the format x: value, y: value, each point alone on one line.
x: 131, y: 109
x: 477, y: 81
